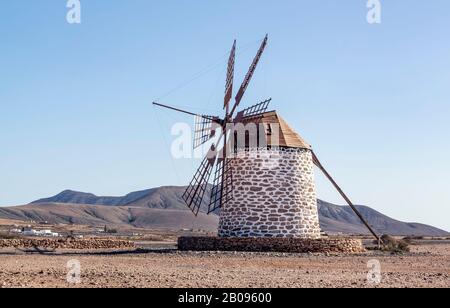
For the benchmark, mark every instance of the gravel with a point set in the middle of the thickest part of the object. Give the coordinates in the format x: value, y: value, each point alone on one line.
x: 425, y: 266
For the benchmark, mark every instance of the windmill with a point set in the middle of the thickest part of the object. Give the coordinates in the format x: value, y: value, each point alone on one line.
x: 254, y: 201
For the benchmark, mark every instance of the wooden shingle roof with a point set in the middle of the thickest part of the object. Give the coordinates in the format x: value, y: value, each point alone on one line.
x: 287, y: 136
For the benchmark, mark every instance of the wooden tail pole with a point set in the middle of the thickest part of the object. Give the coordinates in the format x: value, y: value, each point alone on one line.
x: 364, y: 221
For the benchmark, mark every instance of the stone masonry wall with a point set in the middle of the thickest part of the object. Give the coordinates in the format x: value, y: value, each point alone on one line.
x: 66, y: 244
x: 284, y: 245
x: 274, y: 195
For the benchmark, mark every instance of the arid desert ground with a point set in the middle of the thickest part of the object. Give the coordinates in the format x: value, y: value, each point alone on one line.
x: 428, y: 265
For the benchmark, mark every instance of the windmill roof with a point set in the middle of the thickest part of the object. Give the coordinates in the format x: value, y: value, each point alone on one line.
x: 288, y: 136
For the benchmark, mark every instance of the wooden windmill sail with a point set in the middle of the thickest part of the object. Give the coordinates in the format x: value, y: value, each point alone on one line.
x: 206, y: 127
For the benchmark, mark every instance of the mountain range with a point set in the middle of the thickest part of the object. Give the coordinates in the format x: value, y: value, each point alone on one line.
x: 164, y: 208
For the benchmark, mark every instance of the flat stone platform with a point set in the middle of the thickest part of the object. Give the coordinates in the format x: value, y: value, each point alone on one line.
x: 285, y: 245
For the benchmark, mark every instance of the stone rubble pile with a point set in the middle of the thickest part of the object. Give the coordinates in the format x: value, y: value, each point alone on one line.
x: 284, y: 245
x: 66, y: 244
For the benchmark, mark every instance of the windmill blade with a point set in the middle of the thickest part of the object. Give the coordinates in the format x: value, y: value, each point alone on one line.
x: 176, y: 109
x: 254, y: 111
x: 249, y: 75
x: 222, y: 191
x: 205, y: 129
x: 230, y: 77
x: 195, y: 192
x: 205, y: 125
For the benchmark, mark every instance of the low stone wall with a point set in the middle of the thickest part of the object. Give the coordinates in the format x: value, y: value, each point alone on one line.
x: 87, y: 244
x: 286, y: 245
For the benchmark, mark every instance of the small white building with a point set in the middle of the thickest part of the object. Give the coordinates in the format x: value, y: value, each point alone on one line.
x: 44, y: 233
x: 30, y: 232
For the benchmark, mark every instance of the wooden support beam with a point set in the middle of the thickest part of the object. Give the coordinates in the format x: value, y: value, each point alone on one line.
x: 350, y: 203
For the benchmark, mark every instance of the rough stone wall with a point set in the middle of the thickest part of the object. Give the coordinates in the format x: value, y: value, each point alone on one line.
x: 284, y: 245
x: 274, y: 195
x: 66, y: 244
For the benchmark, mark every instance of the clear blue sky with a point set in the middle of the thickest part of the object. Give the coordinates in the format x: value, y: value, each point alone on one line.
x: 76, y: 107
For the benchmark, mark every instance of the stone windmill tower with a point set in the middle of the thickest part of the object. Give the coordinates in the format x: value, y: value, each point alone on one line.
x: 264, y: 179
x: 274, y: 192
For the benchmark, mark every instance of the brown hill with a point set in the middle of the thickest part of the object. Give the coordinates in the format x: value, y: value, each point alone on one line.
x: 169, y: 197
x: 163, y: 208
x: 120, y: 216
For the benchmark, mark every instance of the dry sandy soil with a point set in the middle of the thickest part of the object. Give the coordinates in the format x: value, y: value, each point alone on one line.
x: 427, y: 266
